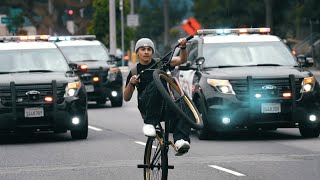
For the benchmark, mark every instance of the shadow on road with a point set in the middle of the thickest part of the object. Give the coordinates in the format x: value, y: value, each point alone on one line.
x: 33, y: 138
x: 246, y: 135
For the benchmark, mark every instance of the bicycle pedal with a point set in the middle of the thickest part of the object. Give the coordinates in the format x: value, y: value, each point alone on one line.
x: 170, y: 167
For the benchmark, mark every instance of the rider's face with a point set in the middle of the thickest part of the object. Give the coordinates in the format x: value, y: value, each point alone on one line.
x: 145, y: 54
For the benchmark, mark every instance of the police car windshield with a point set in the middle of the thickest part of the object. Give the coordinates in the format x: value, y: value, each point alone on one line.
x: 85, y: 53
x: 27, y: 60
x: 247, y: 54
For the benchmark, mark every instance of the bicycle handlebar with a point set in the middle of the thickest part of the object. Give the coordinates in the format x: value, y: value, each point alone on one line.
x: 188, y: 38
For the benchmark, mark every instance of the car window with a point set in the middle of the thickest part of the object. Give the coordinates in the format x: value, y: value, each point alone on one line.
x: 32, y: 59
x: 249, y: 53
x: 83, y: 53
x: 193, y: 52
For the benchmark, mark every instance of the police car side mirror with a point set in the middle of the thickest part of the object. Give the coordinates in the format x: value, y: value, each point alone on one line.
x: 310, y: 61
x: 305, y: 61
x: 73, y: 66
x: 110, y: 62
x: 200, y: 61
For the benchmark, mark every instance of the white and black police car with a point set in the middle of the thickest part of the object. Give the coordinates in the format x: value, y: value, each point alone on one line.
x: 249, y: 79
x: 38, y: 89
x: 97, y: 70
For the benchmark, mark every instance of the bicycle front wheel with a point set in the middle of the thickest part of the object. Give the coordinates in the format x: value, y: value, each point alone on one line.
x: 177, y: 99
x: 155, y: 159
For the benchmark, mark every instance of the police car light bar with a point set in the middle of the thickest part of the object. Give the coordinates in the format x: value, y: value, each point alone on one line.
x: 234, y: 31
x: 68, y: 38
x: 25, y: 38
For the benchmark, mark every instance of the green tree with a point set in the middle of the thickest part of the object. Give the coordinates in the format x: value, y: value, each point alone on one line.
x: 33, y: 9
x: 100, y: 23
x: 151, y: 19
x: 229, y: 13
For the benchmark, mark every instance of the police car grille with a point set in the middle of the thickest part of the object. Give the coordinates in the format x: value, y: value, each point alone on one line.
x: 240, y: 87
x: 22, y: 99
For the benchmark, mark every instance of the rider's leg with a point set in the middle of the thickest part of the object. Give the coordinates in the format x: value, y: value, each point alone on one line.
x: 151, y: 101
x: 182, y: 130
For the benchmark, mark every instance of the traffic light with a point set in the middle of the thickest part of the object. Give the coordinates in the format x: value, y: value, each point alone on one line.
x: 70, y: 12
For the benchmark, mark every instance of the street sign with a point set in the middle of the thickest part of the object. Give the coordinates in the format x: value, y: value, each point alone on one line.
x: 5, y: 20
x: 132, y: 20
x: 191, y: 26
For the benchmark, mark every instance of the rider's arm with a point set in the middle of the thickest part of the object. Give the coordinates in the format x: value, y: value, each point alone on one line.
x: 130, y: 86
x: 183, y: 55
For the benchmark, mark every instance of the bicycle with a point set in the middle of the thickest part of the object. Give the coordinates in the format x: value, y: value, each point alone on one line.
x: 156, y: 150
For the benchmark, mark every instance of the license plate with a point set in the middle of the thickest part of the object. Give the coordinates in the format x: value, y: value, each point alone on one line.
x: 89, y: 88
x: 33, y: 112
x: 271, y: 108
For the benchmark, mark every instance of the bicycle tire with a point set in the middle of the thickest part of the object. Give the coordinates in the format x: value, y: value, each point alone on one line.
x: 155, y: 159
x: 180, y: 103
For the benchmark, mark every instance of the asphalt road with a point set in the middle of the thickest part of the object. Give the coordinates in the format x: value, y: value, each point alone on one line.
x: 115, y: 146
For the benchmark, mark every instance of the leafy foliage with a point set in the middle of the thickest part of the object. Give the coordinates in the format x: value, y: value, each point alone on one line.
x: 100, y: 23
x: 289, y: 17
x: 151, y: 18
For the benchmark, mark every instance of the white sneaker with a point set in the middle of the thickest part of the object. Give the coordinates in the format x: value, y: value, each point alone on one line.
x: 182, y: 147
x: 149, y: 130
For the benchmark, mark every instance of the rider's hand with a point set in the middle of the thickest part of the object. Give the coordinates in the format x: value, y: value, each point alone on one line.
x: 182, y: 42
x: 134, y: 80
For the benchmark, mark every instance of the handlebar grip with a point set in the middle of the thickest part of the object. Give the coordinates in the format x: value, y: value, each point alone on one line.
x: 188, y: 38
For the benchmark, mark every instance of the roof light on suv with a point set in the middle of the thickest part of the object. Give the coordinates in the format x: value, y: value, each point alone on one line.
x: 68, y: 38
x: 25, y: 38
x: 262, y: 30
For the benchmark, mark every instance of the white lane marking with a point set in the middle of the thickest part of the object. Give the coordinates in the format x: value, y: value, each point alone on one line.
x: 94, y: 128
x: 144, y: 144
x: 226, y: 170
x: 141, y: 143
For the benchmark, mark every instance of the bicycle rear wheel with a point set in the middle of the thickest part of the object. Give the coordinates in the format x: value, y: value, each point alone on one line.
x: 177, y: 99
x: 155, y: 159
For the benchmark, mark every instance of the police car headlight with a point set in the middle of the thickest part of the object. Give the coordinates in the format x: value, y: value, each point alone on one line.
x: 222, y: 86
x: 72, y: 89
x: 112, y: 74
x: 308, y: 84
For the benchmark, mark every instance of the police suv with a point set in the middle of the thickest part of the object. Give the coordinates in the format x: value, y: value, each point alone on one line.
x: 100, y: 75
x: 38, y: 89
x: 249, y: 79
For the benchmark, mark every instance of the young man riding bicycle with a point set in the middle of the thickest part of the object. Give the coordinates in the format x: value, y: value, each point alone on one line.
x: 149, y: 97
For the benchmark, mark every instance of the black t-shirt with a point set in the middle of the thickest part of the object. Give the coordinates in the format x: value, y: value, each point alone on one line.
x: 145, y: 78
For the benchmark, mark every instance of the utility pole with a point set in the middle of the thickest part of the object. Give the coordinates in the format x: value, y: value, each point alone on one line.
x: 269, y: 16
x: 166, y: 22
x: 50, y: 10
x: 133, y: 56
x: 122, y: 32
x: 112, y: 26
